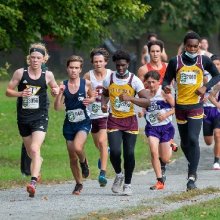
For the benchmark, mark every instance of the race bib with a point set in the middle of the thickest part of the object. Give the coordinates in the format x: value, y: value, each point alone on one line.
x: 188, y: 78
x: 96, y: 108
x: 123, y: 106
x: 76, y: 115
x: 153, y: 118
x: 30, y: 102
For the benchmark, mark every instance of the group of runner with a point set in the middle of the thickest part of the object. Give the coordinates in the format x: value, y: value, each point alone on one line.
x: 103, y: 102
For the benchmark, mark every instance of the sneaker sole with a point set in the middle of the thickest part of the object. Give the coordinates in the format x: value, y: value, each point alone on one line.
x: 116, y: 192
x: 77, y: 193
x: 190, y: 189
x: 102, y: 182
x: 31, y: 190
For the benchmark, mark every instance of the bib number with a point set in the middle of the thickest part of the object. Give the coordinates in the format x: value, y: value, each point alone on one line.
x: 96, y: 108
x: 30, y: 102
x: 153, y: 118
x: 123, y: 106
x: 188, y: 78
x: 76, y: 115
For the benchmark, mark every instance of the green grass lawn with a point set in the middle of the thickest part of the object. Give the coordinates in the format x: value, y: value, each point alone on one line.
x: 55, y: 167
x: 205, y: 210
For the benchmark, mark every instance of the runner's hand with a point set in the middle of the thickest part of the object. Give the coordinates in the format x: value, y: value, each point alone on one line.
x: 104, y: 108
x: 167, y: 89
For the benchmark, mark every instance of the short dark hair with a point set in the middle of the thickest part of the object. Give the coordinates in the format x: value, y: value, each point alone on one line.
x: 74, y: 58
x: 191, y: 35
x: 153, y: 74
x: 99, y: 51
x: 215, y: 57
x: 151, y: 35
x: 155, y: 42
x: 121, y: 55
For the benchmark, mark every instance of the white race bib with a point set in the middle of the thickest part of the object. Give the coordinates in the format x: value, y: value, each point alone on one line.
x: 153, y: 118
x: 123, y: 106
x: 76, y: 115
x: 30, y: 102
x: 96, y: 108
x: 188, y: 78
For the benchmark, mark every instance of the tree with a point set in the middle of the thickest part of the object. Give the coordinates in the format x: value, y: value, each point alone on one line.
x: 26, y: 21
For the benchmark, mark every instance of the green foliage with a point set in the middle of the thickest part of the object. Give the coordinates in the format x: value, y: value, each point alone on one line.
x: 4, y: 71
x: 198, y: 15
x: 84, y: 22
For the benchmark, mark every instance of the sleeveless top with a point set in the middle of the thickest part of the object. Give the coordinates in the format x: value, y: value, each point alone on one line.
x: 121, y: 109
x: 35, y: 106
x: 95, y: 108
x: 158, y: 105
x: 189, y: 79
x: 76, y: 111
x: 161, y: 71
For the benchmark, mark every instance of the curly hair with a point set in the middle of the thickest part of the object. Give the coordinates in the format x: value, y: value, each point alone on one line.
x: 191, y: 35
x: 99, y: 51
x: 121, y: 55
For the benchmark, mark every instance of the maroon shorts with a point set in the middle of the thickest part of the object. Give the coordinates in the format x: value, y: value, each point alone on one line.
x: 98, y: 124
x: 183, y: 115
x: 123, y: 124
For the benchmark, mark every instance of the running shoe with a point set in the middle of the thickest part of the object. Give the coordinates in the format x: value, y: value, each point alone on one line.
x: 127, y: 191
x: 159, y: 185
x: 31, y: 188
x: 102, y: 180
x: 216, y: 166
x: 85, y: 169
x: 117, y: 184
x: 191, y: 183
x: 78, y: 188
x: 174, y: 146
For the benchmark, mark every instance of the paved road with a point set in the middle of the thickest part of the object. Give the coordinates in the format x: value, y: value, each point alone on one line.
x: 56, y: 202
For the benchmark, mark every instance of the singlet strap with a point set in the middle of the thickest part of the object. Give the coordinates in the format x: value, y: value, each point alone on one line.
x: 199, y: 62
x: 130, y: 80
x: 111, y: 78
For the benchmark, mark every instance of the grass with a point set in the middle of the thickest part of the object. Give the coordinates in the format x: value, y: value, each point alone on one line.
x: 55, y: 167
x: 204, y: 210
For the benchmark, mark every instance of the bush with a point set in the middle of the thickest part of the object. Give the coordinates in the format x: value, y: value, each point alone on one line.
x: 4, y: 71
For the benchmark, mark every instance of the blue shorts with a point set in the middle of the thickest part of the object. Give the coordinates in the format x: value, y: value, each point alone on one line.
x: 71, y: 129
x: 163, y: 132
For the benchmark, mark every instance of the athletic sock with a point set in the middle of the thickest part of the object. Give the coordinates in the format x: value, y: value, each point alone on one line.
x: 102, y: 173
x: 160, y: 179
x: 216, y: 160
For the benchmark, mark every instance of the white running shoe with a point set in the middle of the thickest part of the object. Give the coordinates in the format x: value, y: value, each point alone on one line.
x: 127, y: 191
x: 117, y: 184
x: 216, y: 166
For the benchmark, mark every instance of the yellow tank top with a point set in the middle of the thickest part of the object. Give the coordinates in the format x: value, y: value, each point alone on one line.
x: 120, y: 109
x: 189, y: 79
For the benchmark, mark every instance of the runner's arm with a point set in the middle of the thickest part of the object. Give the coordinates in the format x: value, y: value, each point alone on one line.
x: 15, y: 80
x: 52, y: 83
x: 142, y: 101
x: 91, y: 94
x: 169, y: 75
x: 59, y: 100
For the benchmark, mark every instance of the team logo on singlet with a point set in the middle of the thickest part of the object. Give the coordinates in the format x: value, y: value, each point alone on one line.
x: 31, y: 102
